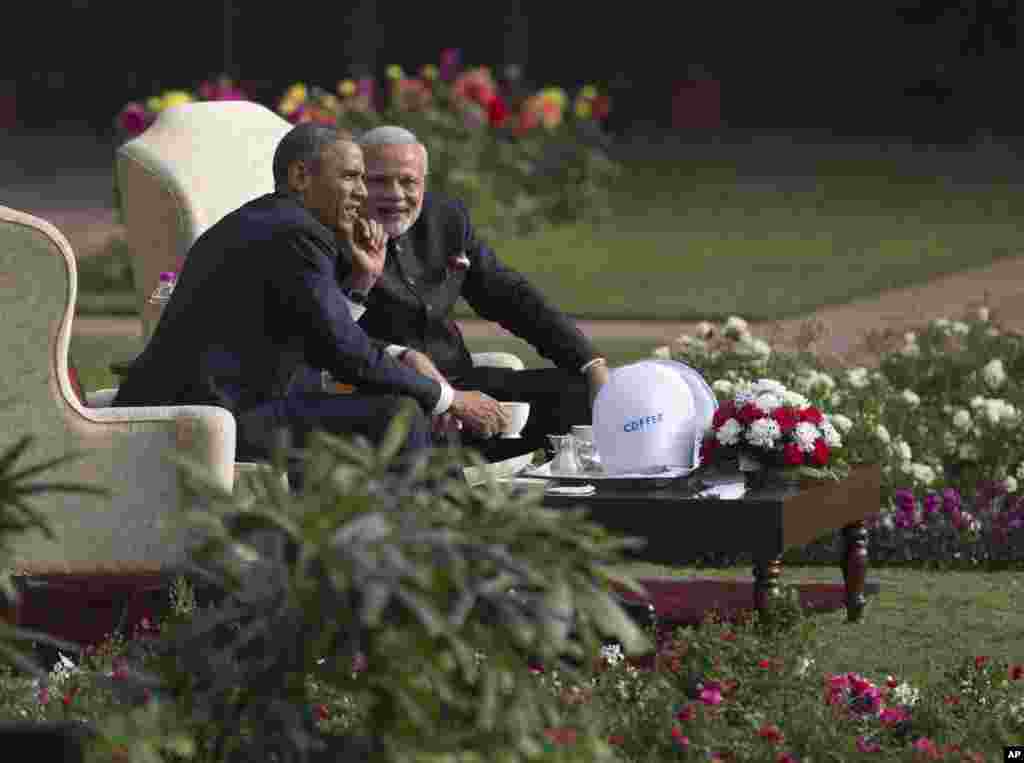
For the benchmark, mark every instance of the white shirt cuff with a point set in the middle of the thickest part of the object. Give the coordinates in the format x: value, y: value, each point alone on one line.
x: 354, y: 309
x: 394, y: 350
x: 445, y: 401
x: 585, y: 366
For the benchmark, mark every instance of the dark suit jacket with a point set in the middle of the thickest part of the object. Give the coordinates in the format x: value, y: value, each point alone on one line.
x: 411, y: 303
x: 257, y: 300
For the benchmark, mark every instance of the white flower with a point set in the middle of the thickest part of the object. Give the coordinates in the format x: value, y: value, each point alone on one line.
x: 729, y: 432
x: 612, y: 654
x: 949, y: 442
x: 806, y: 434
x: 662, y: 352
x: 910, y: 398
x: 883, y: 434
x: 994, y: 374
x: 744, y: 393
x: 905, y: 694
x: 962, y: 419
x: 961, y: 328
x: 832, y: 438
x: 722, y: 387
x: 837, y: 398
x: 704, y: 330
x: 764, y: 432
x: 767, y: 402
x: 910, y: 351
x: 923, y: 473
x: 983, y: 314
x: 770, y: 385
x: 842, y: 422
x: 685, y: 343
x: 941, y: 323
x: 977, y: 401
x: 735, y: 323
x: 806, y: 663
x: 857, y: 377
x: 902, y: 450
x: 756, y: 348
x: 1020, y: 471
x: 794, y: 399
x: 887, y: 522
x: 1011, y: 484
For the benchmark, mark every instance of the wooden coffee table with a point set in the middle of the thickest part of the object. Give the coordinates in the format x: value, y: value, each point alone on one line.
x: 764, y: 522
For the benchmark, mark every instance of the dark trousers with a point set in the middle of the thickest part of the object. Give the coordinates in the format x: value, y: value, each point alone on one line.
x: 558, y: 400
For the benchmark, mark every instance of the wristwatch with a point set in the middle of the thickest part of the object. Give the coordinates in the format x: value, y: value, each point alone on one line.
x: 359, y: 297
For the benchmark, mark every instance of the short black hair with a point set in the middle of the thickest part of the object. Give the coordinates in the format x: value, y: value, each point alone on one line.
x: 306, y: 143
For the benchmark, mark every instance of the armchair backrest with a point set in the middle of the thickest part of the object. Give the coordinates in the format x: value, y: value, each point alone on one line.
x: 122, y: 449
x: 195, y: 164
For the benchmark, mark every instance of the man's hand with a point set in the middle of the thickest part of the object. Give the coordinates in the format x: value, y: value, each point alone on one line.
x: 597, y: 377
x: 479, y: 412
x: 368, y: 243
x: 421, y: 363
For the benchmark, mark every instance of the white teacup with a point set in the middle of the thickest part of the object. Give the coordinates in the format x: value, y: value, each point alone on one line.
x: 518, y: 414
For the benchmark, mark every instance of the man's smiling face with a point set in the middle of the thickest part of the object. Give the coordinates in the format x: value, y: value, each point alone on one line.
x: 395, y: 181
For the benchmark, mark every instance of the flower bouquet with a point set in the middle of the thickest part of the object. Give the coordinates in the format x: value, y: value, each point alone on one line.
x: 768, y: 429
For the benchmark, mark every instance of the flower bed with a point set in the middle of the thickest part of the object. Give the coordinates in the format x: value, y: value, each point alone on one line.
x: 941, y: 414
x: 520, y: 161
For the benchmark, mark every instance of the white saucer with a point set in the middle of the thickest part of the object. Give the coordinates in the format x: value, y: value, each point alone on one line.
x: 510, y: 437
x: 571, y: 490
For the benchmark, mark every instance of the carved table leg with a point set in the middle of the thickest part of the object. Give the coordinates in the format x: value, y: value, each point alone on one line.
x: 854, y: 563
x: 766, y: 582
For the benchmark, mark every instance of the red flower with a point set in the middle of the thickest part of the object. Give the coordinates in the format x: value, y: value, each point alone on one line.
x: 792, y: 455
x: 688, y: 713
x: 811, y: 414
x: 497, y: 111
x: 979, y: 662
x: 771, y: 734
x: 1016, y: 672
x: 750, y: 413
x: 679, y: 739
x: 561, y: 735
x: 766, y: 664
x: 616, y: 740
x: 708, y: 447
x: 786, y: 418
x: 785, y: 757
x: 724, y: 412
x: 891, y: 682
x: 821, y: 452
x: 951, y: 699
x: 600, y: 107
x: 728, y: 636
x: 134, y: 118
x: 322, y: 713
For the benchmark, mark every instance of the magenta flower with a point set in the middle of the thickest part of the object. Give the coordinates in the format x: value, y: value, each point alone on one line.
x: 926, y: 745
x: 44, y: 695
x: 891, y: 716
x: 134, y: 118
x: 711, y: 696
x: 450, y: 60
x: 950, y: 500
x: 932, y: 502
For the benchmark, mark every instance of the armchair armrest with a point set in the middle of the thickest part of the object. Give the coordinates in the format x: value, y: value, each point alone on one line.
x: 497, y: 360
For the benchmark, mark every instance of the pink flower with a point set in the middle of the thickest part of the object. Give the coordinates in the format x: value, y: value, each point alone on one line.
x: 1016, y: 672
x: 561, y: 735
x: 766, y: 664
x: 458, y: 262
x: 134, y: 118
x: 44, y: 695
x: 868, y: 745
x: 711, y: 696
x: 360, y: 663
x: 688, y: 713
x: 450, y: 58
x: 682, y: 742
x: 771, y: 734
x: 892, y: 716
x: 785, y: 757
x: 927, y: 746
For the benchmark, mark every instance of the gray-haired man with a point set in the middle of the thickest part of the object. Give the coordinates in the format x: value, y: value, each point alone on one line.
x: 433, y: 259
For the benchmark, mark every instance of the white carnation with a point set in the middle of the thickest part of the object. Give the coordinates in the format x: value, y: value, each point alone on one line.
x: 756, y: 348
x: 842, y: 422
x: 941, y: 323
x: 883, y: 434
x: 770, y: 385
x: 735, y: 323
x: 962, y: 419
x: 923, y: 473
x: 806, y: 663
x: 794, y: 399
x: 949, y: 442
x: 968, y: 452
x: 806, y: 434
x: 744, y: 393
x: 905, y: 694
x: 902, y: 450
x: 662, y: 352
x: 729, y: 432
x: 832, y: 438
x: 1010, y: 484
x: 977, y: 401
x: 767, y: 402
x: 961, y: 328
x: 857, y: 377
x: 910, y: 398
x: 763, y: 433
x: 837, y: 398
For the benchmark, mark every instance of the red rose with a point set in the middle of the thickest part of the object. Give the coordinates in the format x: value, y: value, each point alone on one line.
x: 497, y: 111
x: 786, y: 418
x: 750, y: 413
x: 723, y: 413
x: 600, y: 107
x: 616, y: 740
x: 771, y: 734
x: 322, y: 713
x: 821, y: 452
x: 707, y: 448
x: 812, y: 415
x: 1016, y: 672
x: 979, y: 662
x: 792, y: 455
x: 561, y: 735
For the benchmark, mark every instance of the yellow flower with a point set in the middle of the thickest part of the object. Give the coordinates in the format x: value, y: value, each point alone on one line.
x: 589, y: 92
x: 155, y: 103
x: 395, y: 72
x: 296, y: 92
x: 288, y: 105
x: 429, y: 72
x: 583, y: 110
x: 176, y: 98
x: 555, y: 94
x: 330, y: 101
x: 346, y: 88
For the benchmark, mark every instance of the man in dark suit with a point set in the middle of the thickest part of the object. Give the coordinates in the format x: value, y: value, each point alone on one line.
x: 258, y: 302
x: 434, y: 258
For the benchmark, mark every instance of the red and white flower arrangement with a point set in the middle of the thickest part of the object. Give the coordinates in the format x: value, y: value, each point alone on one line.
x: 765, y: 425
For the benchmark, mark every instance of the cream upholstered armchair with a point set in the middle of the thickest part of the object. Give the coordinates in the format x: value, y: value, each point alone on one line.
x: 123, y: 449
x: 193, y: 166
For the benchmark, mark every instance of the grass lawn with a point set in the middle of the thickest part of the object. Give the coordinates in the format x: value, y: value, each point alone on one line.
x: 919, y: 618
x: 703, y: 240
